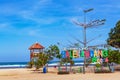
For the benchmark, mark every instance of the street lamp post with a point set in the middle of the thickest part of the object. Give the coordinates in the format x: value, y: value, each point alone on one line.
x: 84, y: 33
x: 85, y: 26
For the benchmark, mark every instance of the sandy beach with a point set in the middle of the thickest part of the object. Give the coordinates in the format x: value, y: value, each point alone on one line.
x: 30, y: 74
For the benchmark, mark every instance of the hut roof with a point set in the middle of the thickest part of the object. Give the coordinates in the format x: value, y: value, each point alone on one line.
x: 36, y: 46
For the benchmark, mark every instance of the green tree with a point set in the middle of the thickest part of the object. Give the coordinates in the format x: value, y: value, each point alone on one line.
x: 114, y: 36
x: 41, y: 60
x: 114, y: 56
x: 53, y: 51
x: 30, y: 64
x: 67, y: 60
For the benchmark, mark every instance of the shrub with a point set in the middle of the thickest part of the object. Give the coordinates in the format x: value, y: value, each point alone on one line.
x: 102, y: 71
x: 63, y: 72
x: 98, y: 65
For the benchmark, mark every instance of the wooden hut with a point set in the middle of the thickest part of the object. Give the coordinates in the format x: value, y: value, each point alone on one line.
x: 35, y: 49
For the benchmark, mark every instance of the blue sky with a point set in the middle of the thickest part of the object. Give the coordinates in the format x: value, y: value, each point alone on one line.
x: 23, y: 22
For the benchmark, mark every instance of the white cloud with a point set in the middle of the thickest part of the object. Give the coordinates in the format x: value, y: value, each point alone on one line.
x: 31, y: 32
x: 35, y: 8
x: 10, y: 29
x: 30, y: 14
x: 41, y: 4
x: 4, y: 27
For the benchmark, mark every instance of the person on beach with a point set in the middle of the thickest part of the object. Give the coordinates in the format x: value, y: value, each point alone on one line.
x: 111, y: 65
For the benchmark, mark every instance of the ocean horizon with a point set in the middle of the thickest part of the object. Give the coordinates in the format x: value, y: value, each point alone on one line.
x: 51, y: 63
x: 13, y: 64
x: 25, y: 64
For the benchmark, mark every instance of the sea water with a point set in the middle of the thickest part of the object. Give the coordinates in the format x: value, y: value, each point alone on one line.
x: 13, y: 64
x: 77, y: 62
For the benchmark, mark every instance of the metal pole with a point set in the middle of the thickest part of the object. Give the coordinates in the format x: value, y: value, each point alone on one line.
x: 84, y: 33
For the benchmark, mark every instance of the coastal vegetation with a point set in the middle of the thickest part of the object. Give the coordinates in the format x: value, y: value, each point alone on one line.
x: 66, y: 61
x: 41, y: 60
x: 114, y: 41
x: 114, y: 56
x: 53, y: 51
x: 44, y: 57
x: 114, y: 36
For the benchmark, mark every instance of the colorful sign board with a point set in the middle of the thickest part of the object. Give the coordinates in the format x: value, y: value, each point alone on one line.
x: 95, y: 55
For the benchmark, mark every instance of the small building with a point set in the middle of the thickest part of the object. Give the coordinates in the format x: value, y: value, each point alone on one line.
x: 35, y: 49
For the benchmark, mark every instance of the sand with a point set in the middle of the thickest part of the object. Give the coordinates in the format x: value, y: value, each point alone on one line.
x: 30, y: 74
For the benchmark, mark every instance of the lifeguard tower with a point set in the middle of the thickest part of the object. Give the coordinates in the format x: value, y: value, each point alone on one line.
x: 35, y: 49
